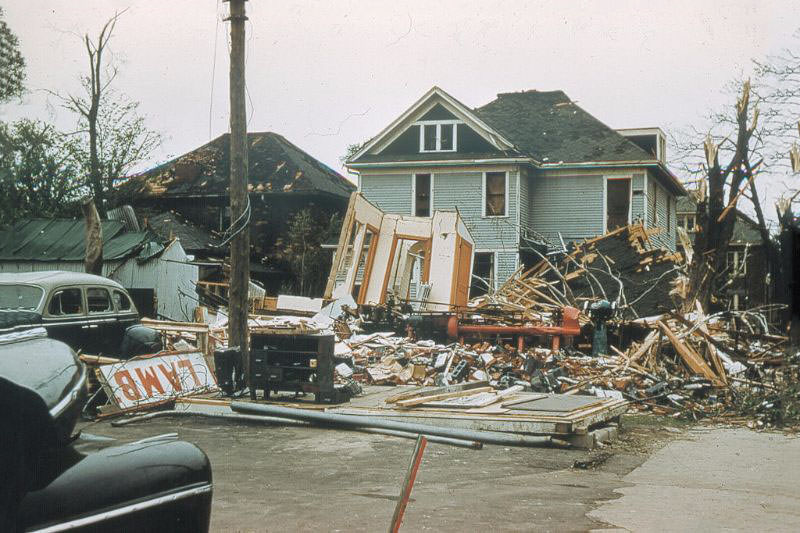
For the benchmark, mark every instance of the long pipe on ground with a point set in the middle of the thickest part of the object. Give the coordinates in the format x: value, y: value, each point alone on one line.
x: 489, y: 437
x: 471, y: 444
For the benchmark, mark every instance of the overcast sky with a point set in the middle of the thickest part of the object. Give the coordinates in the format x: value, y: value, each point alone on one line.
x: 326, y: 74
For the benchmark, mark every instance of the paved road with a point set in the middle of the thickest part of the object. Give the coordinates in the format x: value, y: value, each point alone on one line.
x: 715, y: 479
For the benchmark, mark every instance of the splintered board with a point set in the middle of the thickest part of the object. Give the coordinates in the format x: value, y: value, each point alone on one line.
x: 476, y: 400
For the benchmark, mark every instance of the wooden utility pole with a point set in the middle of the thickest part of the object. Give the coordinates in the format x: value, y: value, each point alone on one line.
x: 240, y: 245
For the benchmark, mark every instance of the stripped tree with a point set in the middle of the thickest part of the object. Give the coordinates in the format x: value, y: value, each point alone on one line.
x: 115, y: 137
x: 716, y: 213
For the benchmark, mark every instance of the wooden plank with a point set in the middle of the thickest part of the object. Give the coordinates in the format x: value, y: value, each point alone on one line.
x: 690, y: 357
x: 420, y: 392
x: 424, y: 399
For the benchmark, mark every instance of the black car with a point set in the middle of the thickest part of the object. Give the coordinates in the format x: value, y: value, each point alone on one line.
x: 90, y: 313
x: 47, y: 485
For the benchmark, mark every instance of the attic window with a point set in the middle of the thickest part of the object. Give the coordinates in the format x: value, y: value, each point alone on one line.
x: 438, y: 136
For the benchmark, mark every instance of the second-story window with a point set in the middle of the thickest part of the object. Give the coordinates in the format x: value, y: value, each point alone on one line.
x: 437, y: 136
x: 422, y: 195
x: 495, y: 190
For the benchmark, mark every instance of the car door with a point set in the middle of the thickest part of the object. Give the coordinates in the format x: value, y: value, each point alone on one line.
x: 103, y: 324
x: 65, y: 316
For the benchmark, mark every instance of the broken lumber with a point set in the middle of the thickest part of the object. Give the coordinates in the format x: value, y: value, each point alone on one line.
x: 690, y: 357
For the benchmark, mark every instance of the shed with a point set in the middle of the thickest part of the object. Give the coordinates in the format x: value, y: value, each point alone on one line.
x: 157, y: 272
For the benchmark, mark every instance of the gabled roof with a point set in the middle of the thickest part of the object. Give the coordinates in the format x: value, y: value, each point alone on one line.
x: 430, y: 98
x: 545, y: 128
x: 551, y: 128
x: 61, y: 239
x: 275, y: 166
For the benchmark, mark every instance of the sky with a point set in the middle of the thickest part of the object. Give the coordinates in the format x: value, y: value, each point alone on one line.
x: 326, y: 74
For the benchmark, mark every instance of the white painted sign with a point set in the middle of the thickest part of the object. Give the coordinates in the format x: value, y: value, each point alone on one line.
x: 152, y: 379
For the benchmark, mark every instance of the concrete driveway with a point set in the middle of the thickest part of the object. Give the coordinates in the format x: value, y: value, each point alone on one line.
x: 715, y: 479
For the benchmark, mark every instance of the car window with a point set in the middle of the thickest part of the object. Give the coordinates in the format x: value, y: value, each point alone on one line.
x: 66, y: 302
x: 20, y: 297
x: 122, y: 301
x: 98, y: 300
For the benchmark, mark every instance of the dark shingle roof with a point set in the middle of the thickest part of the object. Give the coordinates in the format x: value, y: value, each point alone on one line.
x: 275, y: 165
x: 551, y: 128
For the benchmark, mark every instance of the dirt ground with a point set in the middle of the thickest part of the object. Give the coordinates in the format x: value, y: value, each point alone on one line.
x: 270, y: 478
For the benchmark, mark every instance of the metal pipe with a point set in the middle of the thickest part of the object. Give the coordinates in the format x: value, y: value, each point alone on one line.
x: 471, y: 444
x: 490, y: 437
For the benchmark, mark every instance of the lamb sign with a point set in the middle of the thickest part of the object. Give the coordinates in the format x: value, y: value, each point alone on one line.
x: 156, y: 378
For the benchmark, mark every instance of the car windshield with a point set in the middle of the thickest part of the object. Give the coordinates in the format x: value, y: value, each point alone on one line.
x: 18, y: 297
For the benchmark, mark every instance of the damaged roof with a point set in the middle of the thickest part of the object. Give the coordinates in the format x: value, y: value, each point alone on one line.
x: 59, y: 239
x: 551, y: 128
x: 193, y: 238
x: 275, y: 166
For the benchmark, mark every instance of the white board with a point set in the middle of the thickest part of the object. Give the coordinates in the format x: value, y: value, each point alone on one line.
x: 152, y: 379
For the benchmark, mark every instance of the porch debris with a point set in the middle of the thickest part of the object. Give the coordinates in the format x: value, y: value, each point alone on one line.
x: 424, y: 262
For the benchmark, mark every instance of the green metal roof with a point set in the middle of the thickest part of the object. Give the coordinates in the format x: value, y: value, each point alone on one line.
x: 59, y: 239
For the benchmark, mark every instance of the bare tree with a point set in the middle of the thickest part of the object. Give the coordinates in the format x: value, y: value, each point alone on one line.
x: 116, y: 136
x: 716, y: 214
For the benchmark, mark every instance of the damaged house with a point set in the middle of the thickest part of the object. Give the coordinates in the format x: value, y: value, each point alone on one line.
x: 527, y: 173
x: 191, y: 191
x: 747, y: 262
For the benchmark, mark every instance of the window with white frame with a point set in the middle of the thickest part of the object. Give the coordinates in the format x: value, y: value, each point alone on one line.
x: 438, y: 136
x: 495, y: 194
x: 736, y: 261
x: 687, y: 222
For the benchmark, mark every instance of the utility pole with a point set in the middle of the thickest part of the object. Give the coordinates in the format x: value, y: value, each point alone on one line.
x: 240, y: 206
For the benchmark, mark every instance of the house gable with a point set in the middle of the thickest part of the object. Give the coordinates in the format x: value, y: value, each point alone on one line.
x: 445, y: 118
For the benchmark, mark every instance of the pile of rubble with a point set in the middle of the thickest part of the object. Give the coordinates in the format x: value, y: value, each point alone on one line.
x: 695, y: 365
x: 623, y: 266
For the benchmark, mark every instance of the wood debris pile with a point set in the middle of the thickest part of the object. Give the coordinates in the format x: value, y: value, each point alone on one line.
x: 622, y: 266
x: 383, y: 358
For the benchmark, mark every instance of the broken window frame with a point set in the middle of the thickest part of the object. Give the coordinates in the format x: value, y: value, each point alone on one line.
x: 487, y: 285
x: 57, y: 294
x: 390, y: 276
x: 607, y: 179
x: 439, y: 126
x: 485, y: 195
x: 367, y: 252
x: 92, y: 295
x: 415, y: 194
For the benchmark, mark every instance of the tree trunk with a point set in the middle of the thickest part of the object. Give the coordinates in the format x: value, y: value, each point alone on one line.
x: 93, y: 262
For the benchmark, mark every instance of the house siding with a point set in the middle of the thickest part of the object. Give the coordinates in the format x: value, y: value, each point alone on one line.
x: 571, y: 205
x: 462, y: 190
x: 391, y: 193
x: 524, y: 200
x: 664, y: 238
x: 638, y: 198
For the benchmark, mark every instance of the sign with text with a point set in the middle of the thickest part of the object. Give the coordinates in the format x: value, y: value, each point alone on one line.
x: 154, y: 379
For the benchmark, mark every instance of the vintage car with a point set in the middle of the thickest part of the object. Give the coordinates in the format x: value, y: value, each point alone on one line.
x: 90, y: 313
x: 157, y: 484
